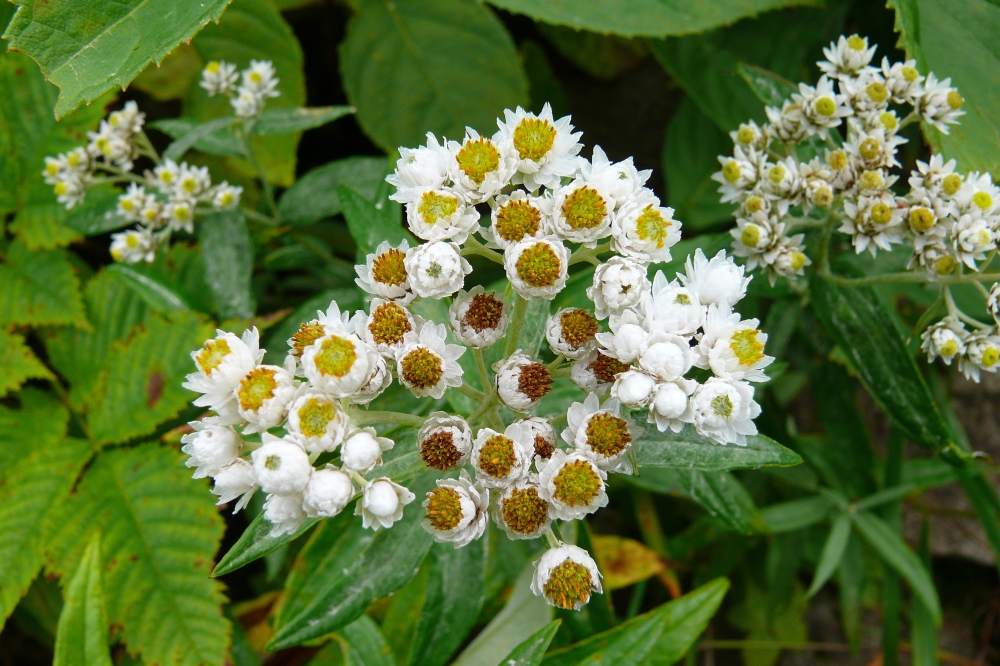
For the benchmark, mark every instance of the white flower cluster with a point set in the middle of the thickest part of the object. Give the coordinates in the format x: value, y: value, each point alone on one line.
x: 949, y: 218
x: 977, y: 351
x: 248, y: 90
x: 548, y: 208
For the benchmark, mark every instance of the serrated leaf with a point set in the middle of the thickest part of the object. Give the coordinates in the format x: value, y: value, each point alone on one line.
x: 19, y: 363
x: 219, y: 142
x: 313, y: 197
x: 833, y: 552
x: 372, y: 221
x: 532, y: 650
x: 254, y: 30
x: 720, y: 493
x: 160, y: 531
x: 398, y: 64
x: 256, y: 542
x: 88, y: 48
x: 688, y: 449
x: 82, y: 636
x: 645, y: 18
x: 227, y: 250
x: 288, y: 121
x: 39, y: 288
x: 31, y: 489
x: 42, y: 226
x: 155, y: 294
x: 344, y: 577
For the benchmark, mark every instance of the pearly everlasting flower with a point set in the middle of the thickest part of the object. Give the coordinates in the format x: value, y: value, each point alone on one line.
x: 537, y: 267
x: 566, y: 577
x: 382, y: 502
x: 846, y: 57
x: 444, y: 441
x: 670, y: 406
x: 387, y: 325
x: 226, y: 196
x: 436, y: 269
x: 570, y: 332
x: 627, y: 338
x: 572, y: 484
x: 644, y: 231
x: 993, y: 302
x: 821, y: 106
x: 179, y: 214
x: 456, y: 512
x: 211, y: 447
x: 596, y: 371
x: 219, y: 77
x: 481, y: 167
x: 384, y: 272
x: 521, y: 382
x: 944, y: 340
x: 536, y: 436
x: 236, y: 479
x: 940, y: 105
x: 426, y: 365
x: 498, y: 458
x: 581, y: 212
x: 327, y: 493
x: 601, y: 432
x: 971, y: 239
x: 724, y: 409
x: 545, y: 149
x: 732, y: 347
x: 620, y: 180
x: 521, y: 511
x: 362, y: 450
x: 675, y: 308
x: 750, y: 135
x: 788, y: 123
x: 873, y: 222
x: 441, y: 214
x: 338, y: 363
x: 715, y: 281
x: 902, y: 80
x: 618, y: 284
x: 478, y: 318
x: 222, y: 363
x: 634, y: 388
x: 316, y: 422
x: 739, y: 174
x: 982, y: 354
x: 379, y: 380
x: 133, y: 246
x: 516, y: 216
x: 667, y: 356
x: 281, y: 466
x: 285, y: 513
x: 418, y: 169
x: 331, y: 322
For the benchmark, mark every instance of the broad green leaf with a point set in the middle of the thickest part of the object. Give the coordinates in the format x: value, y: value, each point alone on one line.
x: 399, y: 623
x: 891, y: 547
x: 795, y: 514
x: 39, y: 288
x: 339, y: 590
x: 19, y: 363
x: 219, y: 142
x: 687, y: 618
x: 647, y: 18
x: 689, y: 160
x: 256, y: 542
x: 160, y: 531
x: 97, y: 214
x: 868, y: 336
x: 254, y: 30
x: 288, y: 121
x: 532, y: 650
x: 452, y: 599
x: 42, y: 225
x: 688, y: 449
x: 372, y: 221
x: 201, y: 132
x: 82, y: 637
x: 171, y: 77
x: 719, y: 493
x: 227, y: 250
x: 833, y: 552
x: 313, y: 197
x: 33, y: 487
x: 962, y: 46
x: 40, y: 421
x: 366, y: 644
x: 602, y: 56
x: 157, y: 295
x: 399, y: 64
x: 769, y: 88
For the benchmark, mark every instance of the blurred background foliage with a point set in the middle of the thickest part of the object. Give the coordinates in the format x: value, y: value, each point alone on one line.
x: 866, y: 551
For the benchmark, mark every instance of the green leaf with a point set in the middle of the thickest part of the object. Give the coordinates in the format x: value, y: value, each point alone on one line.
x: 923, y: 634
x: 891, y: 547
x: 88, y: 48
x: 227, y: 250
x: 372, y: 221
x: 39, y: 288
x: 689, y: 160
x: 957, y: 40
x: 366, y: 644
x: 339, y: 588
x: 256, y: 542
x: 157, y: 295
x: 200, y: 132
x: 313, y: 197
x: 452, y: 599
x: 833, y: 552
x: 796, y: 514
x: 219, y: 142
x: 602, y: 56
x: 82, y: 637
x: 687, y: 618
x: 19, y: 363
x: 851, y: 576
x: 647, y: 18
x: 868, y: 336
x: 41, y: 226
x: 769, y: 88
x: 32, y: 489
x: 97, y: 214
x: 288, y: 121
x: 399, y: 67
x: 160, y: 531
x: 532, y: 650
x: 254, y: 29
x: 719, y: 493
x: 688, y: 449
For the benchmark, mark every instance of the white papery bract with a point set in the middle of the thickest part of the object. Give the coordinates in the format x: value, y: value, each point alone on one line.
x: 544, y: 148
x: 384, y: 272
x: 944, y: 340
x: 572, y: 484
x: 338, y: 363
x: 362, y: 450
x: 724, y: 409
x: 645, y: 231
x: 618, y: 284
x: 211, y: 447
x: 235, y: 480
x: 478, y: 318
x: 222, y: 363
x: 317, y: 422
x: 285, y: 513
x: 436, y: 269
x: 382, y: 502
x: 281, y: 466
x: 426, y: 364
x: 500, y: 459
x: 537, y: 267
x: 329, y: 490
x: 566, y: 576
x: 714, y: 281
x: 457, y: 511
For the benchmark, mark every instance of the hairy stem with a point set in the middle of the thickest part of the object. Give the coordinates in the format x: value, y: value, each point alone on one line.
x: 363, y: 417
x: 516, y: 323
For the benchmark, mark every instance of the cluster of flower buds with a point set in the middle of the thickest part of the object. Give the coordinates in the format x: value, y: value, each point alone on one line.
x: 548, y: 209
x: 977, y: 351
x: 248, y: 90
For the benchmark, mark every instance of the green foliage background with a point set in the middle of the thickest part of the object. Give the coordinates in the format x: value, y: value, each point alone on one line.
x: 112, y: 555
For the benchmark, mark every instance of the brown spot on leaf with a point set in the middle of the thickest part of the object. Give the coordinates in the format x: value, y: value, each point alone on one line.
x: 154, y: 388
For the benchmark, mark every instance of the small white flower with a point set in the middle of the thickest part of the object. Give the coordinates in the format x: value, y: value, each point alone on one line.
x: 667, y: 356
x: 235, y: 480
x: 581, y: 212
x: 382, y: 503
x: 521, y: 382
x: 478, y: 318
x: 338, y: 364
x: 379, y: 380
x: 327, y: 493
x: 670, y: 407
x: 873, y: 149
x: 715, y: 281
x: 166, y: 175
x: 724, y: 410
x: 596, y: 371
x: 993, y: 302
x: 537, y: 267
x: 601, y: 433
x: 247, y: 103
x: 211, y: 447
x: 426, y: 365
x: 750, y: 135
x: 940, y: 105
x: 536, y: 435
x: 866, y: 93
x: 444, y: 441
x: 566, y: 577
x: 480, y: 166
x: 545, y: 149
x: 179, y: 214
x: 782, y: 180
x: 847, y: 57
x: 193, y: 181
x: 972, y: 238
x: 618, y: 284
x: 260, y: 78
x: 978, y: 196
x: 456, y: 511
x: 70, y: 190
x: 218, y: 77
x: 902, y: 80
x: 620, y: 180
x: 441, y: 214
x: 386, y: 326
x: 672, y: 308
x: 945, y: 340
x: 436, y: 269
x: 133, y: 246
x: 362, y: 451
x: 514, y: 217
x: 419, y: 168
x: 500, y: 459
x: 520, y: 510
x: 732, y: 347
x: 645, y: 231
x: 570, y: 332
x: 384, y: 272
x: 263, y: 396
x: 821, y: 106
x: 331, y: 322
x: 572, y: 484
x: 634, y: 388
x: 131, y: 203
x: 982, y: 354
x: 127, y: 120
x: 787, y: 123
x: 281, y: 466
x: 222, y: 364
x: 740, y: 173
x: 316, y: 422
x: 226, y: 196
x: 873, y: 222
x: 285, y: 513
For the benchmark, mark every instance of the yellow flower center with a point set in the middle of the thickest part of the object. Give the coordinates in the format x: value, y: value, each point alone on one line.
x: 871, y: 180
x: 438, y: 450
x: 189, y: 184
x: 881, y: 214
x: 606, y: 368
x: 731, y: 171
x: 166, y: 177
x: 577, y: 483
x: 870, y: 149
x: 722, y: 406
x: 578, y: 327
x: 877, y: 92
x: 539, y: 266
x: 856, y: 43
x: 951, y: 183
x: 607, y: 434
x: 308, y: 333
x: 822, y: 196
x: 256, y: 77
x: 435, y: 207
x: 516, y: 219
x: 990, y: 357
x: 209, y: 358
x: 422, y: 368
x: 181, y: 213
x: 497, y: 456
x: 747, y: 347
x: 825, y: 106
x: 132, y: 241
x: 950, y: 348
x: 315, y: 416
x: 777, y: 173
x: 73, y: 159
x: 255, y: 388
x: 910, y: 74
x: 478, y: 158
x: 569, y: 584
x: 837, y: 160
x: 388, y: 323
x: 797, y: 261
x: 212, y: 67
x: 61, y: 188
x: 921, y: 219
x: 650, y: 226
x: 745, y: 135
x: 127, y: 205
x: 388, y: 268
x: 983, y: 200
x: 750, y: 235
x: 523, y: 511
x: 51, y: 168
x: 444, y: 509
x: 955, y: 100
x: 533, y: 138
x: 226, y: 199
x: 336, y: 356
x: 584, y: 208
x: 754, y: 204
x: 944, y: 265
x: 888, y: 120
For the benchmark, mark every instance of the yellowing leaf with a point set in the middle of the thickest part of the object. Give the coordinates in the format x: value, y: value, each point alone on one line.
x: 623, y: 561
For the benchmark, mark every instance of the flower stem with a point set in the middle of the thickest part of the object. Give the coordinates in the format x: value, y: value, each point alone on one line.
x: 146, y: 147
x: 268, y: 188
x: 516, y: 323
x: 550, y: 537
x: 474, y: 247
x: 362, y: 417
x: 885, y: 278
x: 358, y: 479
x: 469, y: 392
x: 484, y: 375
x: 589, y: 254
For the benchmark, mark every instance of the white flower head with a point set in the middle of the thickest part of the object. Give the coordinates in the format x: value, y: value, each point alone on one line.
x: 219, y: 77
x: 331, y: 322
x: 715, y: 281
x: 670, y: 406
x: 281, y: 466
x: 673, y: 308
x: 226, y: 196
x: 873, y: 222
x: 566, y: 577
x: 573, y: 485
x: 338, y: 363
x: 386, y: 326
x: 634, y: 388
x: 378, y: 381
x: 418, y: 169
x: 596, y: 371
x: 316, y: 422
x: 537, y: 267
x: 521, y: 382
x: 382, y: 502
x: 846, y: 57
x: 235, y: 480
x: 982, y: 354
x: 570, y: 332
x: 724, y: 410
x: 362, y: 450
x: 545, y: 149
x: 902, y: 80
x: 478, y: 318
x: 517, y: 216
x: 327, y: 493
x: 133, y: 246
x: 499, y: 458
x: 536, y: 436
x: 667, y: 356
x: 426, y: 365
x: 384, y: 272
x: 618, y: 284
x: 456, y: 512
x: 645, y: 231
x: 260, y: 78
x: 944, y: 340
x: 940, y: 105
x: 993, y: 302
x: 285, y: 513
x: 481, y: 167
x: 740, y: 172
x: 750, y: 135
x: 179, y: 213
x: 131, y: 203
x: 620, y: 180
x: 193, y: 181
x: 821, y: 106
x: 444, y: 441
x: 441, y: 214
x: 211, y: 447
x: 222, y: 363
x: 436, y: 269
x: 732, y: 347
x: 601, y: 432
x: 972, y: 237
x: 69, y: 189
x: 521, y: 511
x: 581, y: 212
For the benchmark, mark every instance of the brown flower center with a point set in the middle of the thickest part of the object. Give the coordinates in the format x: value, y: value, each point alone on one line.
x: 605, y: 368
x: 438, y: 450
x: 484, y: 313
x: 534, y: 381
x: 578, y: 326
x: 523, y: 511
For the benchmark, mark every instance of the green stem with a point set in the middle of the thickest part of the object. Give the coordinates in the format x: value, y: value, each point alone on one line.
x: 469, y: 392
x: 516, y: 323
x: 358, y: 479
x: 482, y: 409
x: 484, y: 375
x: 474, y: 247
x: 268, y: 188
x: 589, y: 254
x: 361, y: 417
x: 550, y: 537
x: 886, y: 278
x: 912, y: 117
x: 146, y: 147
x: 259, y: 217
x: 556, y: 364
